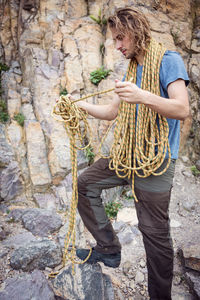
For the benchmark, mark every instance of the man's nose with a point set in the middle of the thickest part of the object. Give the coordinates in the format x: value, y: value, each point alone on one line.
x: 118, y: 45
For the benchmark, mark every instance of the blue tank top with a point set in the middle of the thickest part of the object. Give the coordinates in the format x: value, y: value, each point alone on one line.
x: 172, y: 68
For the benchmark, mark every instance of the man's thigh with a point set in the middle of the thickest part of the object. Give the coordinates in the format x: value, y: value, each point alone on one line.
x: 98, y: 177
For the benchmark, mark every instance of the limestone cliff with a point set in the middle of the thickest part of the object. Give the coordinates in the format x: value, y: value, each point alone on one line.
x: 52, y: 45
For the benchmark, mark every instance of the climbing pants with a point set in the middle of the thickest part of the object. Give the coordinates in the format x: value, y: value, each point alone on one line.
x: 153, y: 194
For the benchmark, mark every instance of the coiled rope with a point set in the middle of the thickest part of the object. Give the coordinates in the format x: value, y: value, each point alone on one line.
x: 141, y: 134
x: 139, y: 152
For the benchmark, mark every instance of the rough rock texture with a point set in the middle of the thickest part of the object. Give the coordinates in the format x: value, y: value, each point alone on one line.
x: 87, y: 283
x: 40, y: 222
x: 194, y: 282
x: 36, y: 255
x: 27, y: 286
x: 53, y: 45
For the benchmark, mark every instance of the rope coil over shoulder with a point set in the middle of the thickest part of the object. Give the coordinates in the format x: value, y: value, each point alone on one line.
x: 140, y: 137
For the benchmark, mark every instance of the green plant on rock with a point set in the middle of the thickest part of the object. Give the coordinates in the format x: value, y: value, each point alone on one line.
x: 195, y: 171
x: 89, y: 154
x: 100, y: 19
x: 112, y: 209
x: 19, y: 118
x: 99, y: 74
x: 4, y: 117
x: 3, y: 67
x: 63, y: 91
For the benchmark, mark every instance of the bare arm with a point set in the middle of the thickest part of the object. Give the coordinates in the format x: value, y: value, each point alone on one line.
x: 102, y: 112
x: 176, y: 107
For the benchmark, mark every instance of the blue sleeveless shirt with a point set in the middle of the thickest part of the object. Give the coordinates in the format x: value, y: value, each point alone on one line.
x: 171, y: 68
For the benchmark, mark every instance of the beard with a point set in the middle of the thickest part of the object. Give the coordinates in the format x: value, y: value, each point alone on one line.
x: 133, y: 52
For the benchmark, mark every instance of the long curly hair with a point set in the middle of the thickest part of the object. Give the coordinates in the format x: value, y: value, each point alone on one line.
x: 132, y: 22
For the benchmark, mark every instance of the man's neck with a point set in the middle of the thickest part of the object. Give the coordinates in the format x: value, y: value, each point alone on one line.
x: 140, y: 58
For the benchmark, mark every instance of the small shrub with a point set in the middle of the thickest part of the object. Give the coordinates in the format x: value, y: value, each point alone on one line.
x: 63, y: 91
x: 20, y: 119
x: 101, y: 20
x: 89, y: 154
x: 3, y: 67
x: 112, y: 209
x: 98, y: 75
x: 4, y: 117
x: 195, y: 171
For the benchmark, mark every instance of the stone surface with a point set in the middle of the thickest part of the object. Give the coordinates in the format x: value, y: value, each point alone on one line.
x: 46, y: 201
x: 19, y: 240
x: 13, y: 104
x: 37, y: 156
x: 87, y: 283
x: 6, y: 151
x: 194, y: 282
x: 126, y: 236
x: 128, y: 215
x: 27, y: 286
x: 11, y: 181
x: 108, y: 288
x: 80, y: 238
x: 58, y: 48
x: 36, y: 255
x: 139, y: 277
x: 41, y: 222
x: 27, y: 111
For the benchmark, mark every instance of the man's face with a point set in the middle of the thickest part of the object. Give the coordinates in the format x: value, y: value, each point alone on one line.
x: 124, y: 43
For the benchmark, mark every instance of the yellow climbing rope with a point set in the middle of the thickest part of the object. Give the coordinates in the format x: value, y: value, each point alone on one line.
x: 139, y: 152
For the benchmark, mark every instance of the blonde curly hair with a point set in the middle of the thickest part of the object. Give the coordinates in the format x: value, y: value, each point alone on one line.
x: 132, y: 22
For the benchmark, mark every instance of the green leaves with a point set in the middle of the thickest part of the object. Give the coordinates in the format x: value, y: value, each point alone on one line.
x: 3, y: 67
x: 101, y: 20
x: 89, y: 154
x: 20, y: 119
x: 3, y: 112
x: 195, y: 171
x: 112, y: 209
x: 99, y: 74
x: 63, y: 91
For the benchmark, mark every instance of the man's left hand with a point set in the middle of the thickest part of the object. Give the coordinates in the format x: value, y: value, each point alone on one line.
x: 128, y: 91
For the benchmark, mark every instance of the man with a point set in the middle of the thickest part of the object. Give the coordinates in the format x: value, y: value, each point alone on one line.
x: 132, y: 36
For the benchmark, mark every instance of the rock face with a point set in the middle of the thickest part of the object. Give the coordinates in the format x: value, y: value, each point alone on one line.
x: 60, y: 51
x: 50, y: 47
x: 87, y: 283
x: 40, y: 222
x: 36, y: 255
x: 11, y: 183
x: 27, y: 286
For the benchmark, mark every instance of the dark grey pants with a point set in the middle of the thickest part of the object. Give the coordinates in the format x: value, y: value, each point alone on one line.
x: 153, y: 194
